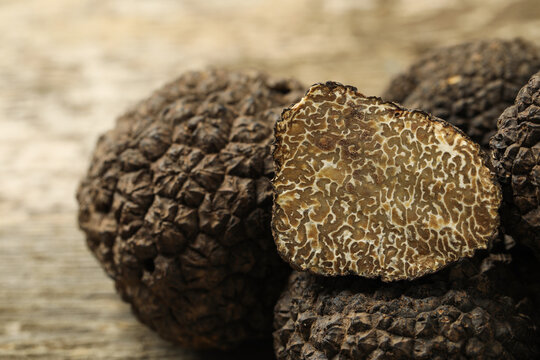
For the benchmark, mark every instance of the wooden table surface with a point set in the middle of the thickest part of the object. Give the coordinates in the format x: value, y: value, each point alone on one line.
x: 69, y: 67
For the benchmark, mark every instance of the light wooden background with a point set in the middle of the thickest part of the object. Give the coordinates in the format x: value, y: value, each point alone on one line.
x: 68, y: 67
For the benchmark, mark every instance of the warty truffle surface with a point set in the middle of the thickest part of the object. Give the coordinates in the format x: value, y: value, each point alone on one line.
x: 516, y: 159
x: 176, y: 207
x: 468, y: 85
x: 467, y: 311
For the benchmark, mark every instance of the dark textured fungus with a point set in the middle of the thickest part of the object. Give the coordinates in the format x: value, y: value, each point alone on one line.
x: 366, y: 187
x: 462, y: 312
x: 516, y: 159
x: 468, y: 85
x: 177, y: 203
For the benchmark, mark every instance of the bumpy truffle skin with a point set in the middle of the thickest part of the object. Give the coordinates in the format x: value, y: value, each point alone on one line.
x: 516, y: 159
x: 458, y: 313
x: 177, y: 203
x: 468, y: 85
x: 369, y: 188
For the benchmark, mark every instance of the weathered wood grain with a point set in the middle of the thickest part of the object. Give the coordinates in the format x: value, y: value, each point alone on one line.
x: 55, y: 301
x: 68, y: 67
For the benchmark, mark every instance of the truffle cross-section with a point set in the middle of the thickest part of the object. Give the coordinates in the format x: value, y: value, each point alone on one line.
x: 369, y: 188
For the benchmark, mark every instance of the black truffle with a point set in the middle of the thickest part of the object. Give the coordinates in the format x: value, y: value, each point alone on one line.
x: 516, y: 160
x: 366, y: 187
x: 177, y: 202
x: 471, y: 310
x: 468, y: 85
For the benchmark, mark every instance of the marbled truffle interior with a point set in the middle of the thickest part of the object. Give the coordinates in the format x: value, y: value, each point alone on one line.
x: 366, y: 187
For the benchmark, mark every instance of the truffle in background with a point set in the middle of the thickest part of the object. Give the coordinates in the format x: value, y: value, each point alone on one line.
x: 516, y: 159
x: 471, y: 310
x: 468, y: 85
x: 176, y: 207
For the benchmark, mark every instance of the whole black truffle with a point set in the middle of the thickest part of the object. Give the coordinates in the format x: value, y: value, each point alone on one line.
x: 471, y: 310
x: 177, y: 203
x: 366, y: 187
x: 516, y: 159
x: 468, y: 85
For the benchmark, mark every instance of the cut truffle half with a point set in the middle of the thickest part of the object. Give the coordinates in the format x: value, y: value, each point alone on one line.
x: 516, y: 159
x: 369, y: 188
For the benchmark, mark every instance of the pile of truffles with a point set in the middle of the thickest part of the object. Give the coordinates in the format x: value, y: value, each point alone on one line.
x: 408, y: 230
x: 365, y: 187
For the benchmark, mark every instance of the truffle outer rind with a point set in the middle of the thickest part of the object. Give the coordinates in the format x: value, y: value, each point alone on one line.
x: 176, y: 207
x: 462, y: 312
x: 288, y: 245
x: 468, y: 85
x: 516, y: 160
